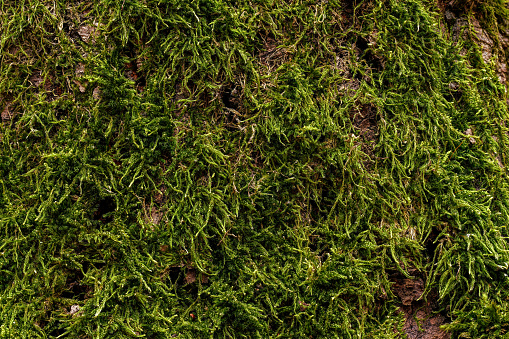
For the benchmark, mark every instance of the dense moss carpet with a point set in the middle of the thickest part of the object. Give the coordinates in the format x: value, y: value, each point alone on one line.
x: 254, y: 169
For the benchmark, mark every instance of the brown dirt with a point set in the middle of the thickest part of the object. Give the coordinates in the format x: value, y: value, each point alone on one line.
x: 365, y: 119
x: 191, y: 277
x: 273, y: 56
x: 422, y: 321
x: 154, y: 213
x: 87, y: 33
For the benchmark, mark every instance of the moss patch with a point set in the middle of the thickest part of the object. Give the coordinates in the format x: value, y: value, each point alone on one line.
x: 253, y: 169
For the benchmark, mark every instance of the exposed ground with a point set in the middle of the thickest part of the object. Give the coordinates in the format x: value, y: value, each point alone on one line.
x: 254, y: 169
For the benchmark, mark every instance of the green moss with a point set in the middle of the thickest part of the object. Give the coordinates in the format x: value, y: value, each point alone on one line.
x: 249, y: 169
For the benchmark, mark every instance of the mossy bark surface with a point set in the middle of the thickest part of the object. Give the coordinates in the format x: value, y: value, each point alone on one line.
x: 254, y: 169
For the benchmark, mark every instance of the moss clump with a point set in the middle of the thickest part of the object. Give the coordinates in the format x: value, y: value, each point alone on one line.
x: 253, y: 169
